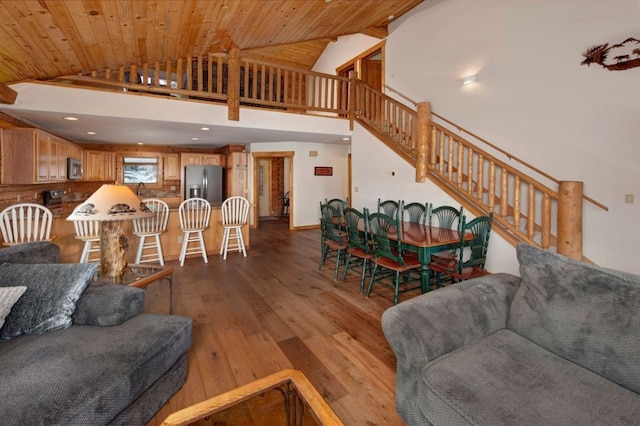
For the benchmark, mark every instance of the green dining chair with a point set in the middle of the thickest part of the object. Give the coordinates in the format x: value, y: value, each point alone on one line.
x: 334, y: 241
x: 360, y: 251
x: 416, y: 212
x: 445, y: 217
x: 471, y: 255
x: 390, y: 267
x: 389, y: 207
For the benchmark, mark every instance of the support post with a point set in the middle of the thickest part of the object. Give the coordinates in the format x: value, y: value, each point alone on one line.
x: 570, y: 219
x: 422, y: 132
x: 233, y: 101
x: 351, y: 98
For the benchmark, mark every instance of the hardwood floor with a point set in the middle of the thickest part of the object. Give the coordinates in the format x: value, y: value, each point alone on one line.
x: 273, y: 310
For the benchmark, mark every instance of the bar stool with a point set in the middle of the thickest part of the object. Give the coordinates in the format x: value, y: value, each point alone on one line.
x: 89, y: 232
x: 194, y: 216
x: 25, y: 222
x: 151, y: 227
x: 234, y: 217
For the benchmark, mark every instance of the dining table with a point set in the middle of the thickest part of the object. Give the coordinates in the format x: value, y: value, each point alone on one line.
x: 426, y: 240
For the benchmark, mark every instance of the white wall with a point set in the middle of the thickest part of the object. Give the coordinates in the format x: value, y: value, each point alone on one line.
x: 343, y: 50
x: 533, y: 99
x: 309, y: 190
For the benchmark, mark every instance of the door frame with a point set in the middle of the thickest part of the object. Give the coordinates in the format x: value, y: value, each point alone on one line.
x: 256, y: 160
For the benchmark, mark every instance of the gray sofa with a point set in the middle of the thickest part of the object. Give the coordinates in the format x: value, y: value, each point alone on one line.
x: 559, y: 345
x: 97, y: 360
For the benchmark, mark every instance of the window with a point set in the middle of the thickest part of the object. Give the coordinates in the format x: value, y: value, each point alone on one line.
x: 140, y: 170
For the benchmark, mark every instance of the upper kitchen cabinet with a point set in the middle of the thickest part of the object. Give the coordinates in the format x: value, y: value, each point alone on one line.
x: 199, y: 159
x: 33, y: 156
x: 171, y: 167
x: 99, y: 165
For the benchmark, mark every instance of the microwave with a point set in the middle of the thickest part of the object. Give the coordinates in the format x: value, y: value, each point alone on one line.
x: 74, y: 168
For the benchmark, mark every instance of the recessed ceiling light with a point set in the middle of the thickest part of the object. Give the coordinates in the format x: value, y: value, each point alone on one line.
x: 345, y: 139
x: 140, y: 143
x: 204, y: 128
x: 71, y: 118
x: 390, y: 17
x: 91, y: 133
x: 195, y: 139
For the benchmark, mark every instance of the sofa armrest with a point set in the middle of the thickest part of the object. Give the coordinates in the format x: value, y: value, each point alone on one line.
x: 431, y: 325
x: 107, y: 304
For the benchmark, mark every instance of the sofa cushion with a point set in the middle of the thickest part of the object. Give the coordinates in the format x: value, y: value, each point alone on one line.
x: 87, y: 375
x: 50, y: 299
x: 583, y: 313
x: 108, y: 304
x: 506, y: 379
x: 8, y: 297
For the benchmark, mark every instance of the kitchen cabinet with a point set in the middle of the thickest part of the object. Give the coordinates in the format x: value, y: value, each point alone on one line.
x: 171, y: 166
x: 33, y: 156
x: 237, y: 174
x: 200, y: 159
x: 99, y: 165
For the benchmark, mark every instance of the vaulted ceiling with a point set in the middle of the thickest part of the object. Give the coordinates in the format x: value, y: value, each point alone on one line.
x: 44, y: 39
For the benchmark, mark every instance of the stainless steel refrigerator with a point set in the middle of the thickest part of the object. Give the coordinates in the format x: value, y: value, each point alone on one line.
x: 204, y: 182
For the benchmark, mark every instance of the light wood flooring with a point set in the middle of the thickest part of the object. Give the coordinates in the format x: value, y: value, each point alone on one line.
x: 273, y: 310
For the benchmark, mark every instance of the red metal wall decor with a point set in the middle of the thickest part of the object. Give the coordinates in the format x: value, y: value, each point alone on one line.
x: 627, y: 55
x: 323, y: 171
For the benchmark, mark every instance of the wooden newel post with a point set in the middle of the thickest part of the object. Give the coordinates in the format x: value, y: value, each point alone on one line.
x: 351, y: 98
x: 422, y: 133
x: 570, y: 219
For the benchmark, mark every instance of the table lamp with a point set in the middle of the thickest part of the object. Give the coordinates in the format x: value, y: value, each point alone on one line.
x: 111, y: 205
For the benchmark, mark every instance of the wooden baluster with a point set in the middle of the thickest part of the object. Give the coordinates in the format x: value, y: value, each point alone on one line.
x: 179, y: 73
x: 121, y: 74
x: 156, y: 76
x: 469, y: 170
x: 145, y: 73
x: 460, y: 165
x: 504, y: 193
x: 516, y: 203
x: 531, y: 221
x: 133, y: 74
x: 546, y: 221
x: 492, y: 185
x: 200, y: 73
x: 107, y: 74
x: 168, y: 71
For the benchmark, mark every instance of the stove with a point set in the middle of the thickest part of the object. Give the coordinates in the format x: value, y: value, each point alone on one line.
x: 52, y: 197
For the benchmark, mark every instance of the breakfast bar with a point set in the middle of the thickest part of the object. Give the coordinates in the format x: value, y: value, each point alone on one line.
x: 171, y: 239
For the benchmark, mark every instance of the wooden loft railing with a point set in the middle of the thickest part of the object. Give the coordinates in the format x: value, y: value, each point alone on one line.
x: 229, y: 79
x: 524, y: 208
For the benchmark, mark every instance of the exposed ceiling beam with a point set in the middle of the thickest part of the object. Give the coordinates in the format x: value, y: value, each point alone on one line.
x: 378, y: 32
x: 7, y: 94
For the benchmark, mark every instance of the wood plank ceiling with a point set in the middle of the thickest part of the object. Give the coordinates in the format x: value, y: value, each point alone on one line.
x: 44, y: 39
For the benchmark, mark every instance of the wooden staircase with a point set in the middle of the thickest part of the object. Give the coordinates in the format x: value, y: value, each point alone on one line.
x: 482, y: 180
x: 525, y: 209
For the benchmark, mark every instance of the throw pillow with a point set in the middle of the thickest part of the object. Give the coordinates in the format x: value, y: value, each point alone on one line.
x: 50, y: 299
x: 8, y: 297
x: 581, y: 312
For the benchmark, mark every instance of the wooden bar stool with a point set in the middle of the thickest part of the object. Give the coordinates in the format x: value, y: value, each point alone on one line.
x: 89, y: 232
x: 25, y: 222
x: 151, y: 227
x: 234, y: 217
x: 195, y: 214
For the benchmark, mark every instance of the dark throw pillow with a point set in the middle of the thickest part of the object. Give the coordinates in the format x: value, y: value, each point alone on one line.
x: 50, y: 299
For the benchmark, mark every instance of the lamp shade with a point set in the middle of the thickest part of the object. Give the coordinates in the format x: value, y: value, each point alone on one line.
x: 109, y: 203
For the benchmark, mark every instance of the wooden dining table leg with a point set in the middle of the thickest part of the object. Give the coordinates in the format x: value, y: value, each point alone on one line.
x: 424, y: 256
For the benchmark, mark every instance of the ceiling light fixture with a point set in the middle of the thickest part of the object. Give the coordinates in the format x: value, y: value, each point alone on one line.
x: 204, y: 128
x: 69, y: 118
x: 345, y: 139
x: 470, y: 79
x: 91, y: 133
x: 140, y: 143
x: 195, y: 139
